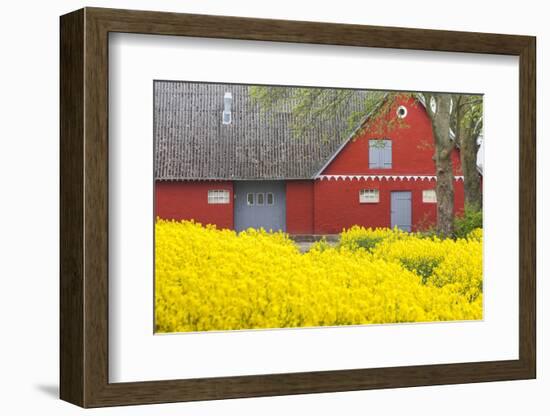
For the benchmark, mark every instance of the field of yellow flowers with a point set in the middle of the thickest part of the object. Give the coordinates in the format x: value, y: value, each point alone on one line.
x: 210, y: 279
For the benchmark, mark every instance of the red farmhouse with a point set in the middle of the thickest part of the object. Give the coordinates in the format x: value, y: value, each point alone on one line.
x: 220, y: 159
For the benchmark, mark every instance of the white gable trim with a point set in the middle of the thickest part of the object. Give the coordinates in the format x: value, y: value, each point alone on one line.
x: 382, y: 177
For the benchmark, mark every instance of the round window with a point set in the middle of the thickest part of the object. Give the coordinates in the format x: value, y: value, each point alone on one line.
x: 402, y: 111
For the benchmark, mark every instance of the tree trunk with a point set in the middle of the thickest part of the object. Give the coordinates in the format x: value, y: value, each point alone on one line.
x: 466, y: 135
x: 441, y: 119
x: 472, y: 181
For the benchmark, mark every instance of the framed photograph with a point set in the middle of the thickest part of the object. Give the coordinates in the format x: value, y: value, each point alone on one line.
x: 255, y: 207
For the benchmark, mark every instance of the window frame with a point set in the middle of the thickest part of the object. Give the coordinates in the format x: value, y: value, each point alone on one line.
x: 428, y: 200
x: 405, y: 112
x: 248, y: 195
x: 365, y: 193
x: 218, y: 197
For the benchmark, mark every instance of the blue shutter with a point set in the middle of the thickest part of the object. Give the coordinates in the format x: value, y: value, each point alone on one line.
x: 387, y: 155
x: 373, y: 154
x: 380, y: 154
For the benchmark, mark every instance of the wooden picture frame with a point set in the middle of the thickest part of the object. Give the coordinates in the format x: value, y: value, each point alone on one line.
x: 84, y: 207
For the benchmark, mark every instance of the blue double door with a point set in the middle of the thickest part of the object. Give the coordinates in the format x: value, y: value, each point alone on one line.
x: 260, y: 204
x: 401, y: 210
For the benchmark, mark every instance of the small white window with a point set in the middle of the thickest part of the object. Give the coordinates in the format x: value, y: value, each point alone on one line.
x: 269, y: 198
x: 369, y: 196
x: 226, y: 117
x: 227, y: 101
x: 218, y: 196
x: 259, y: 199
x: 401, y: 111
x: 249, y: 199
x: 429, y: 196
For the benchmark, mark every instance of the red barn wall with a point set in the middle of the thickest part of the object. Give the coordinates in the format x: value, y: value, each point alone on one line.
x: 337, y: 206
x: 328, y: 206
x: 189, y: 200
x: 299, y: 207
x: 336, y: 202
x: 412, y: 145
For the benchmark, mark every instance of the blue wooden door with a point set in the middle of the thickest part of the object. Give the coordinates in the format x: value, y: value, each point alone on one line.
x: 401, y: 210
x: 260, y: 204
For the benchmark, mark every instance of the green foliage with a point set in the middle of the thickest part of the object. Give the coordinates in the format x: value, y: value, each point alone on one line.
x: 468, y: 114
x: 311, y: 106
x: 463, y: 226
x: 321, y: 245
x: 367, y: 242
x: 422, y: 266
x: 467, y: 222
x: 367, y: 238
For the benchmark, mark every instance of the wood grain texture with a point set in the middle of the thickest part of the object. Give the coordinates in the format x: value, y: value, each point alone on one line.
x: 84, y: 207
x: 527, y: 207
x: 162, y: 23
x: 71, y: 213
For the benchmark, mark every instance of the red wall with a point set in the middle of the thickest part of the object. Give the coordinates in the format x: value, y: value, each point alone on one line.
x: 312, y: 207
x: 189, y: 200
x: 412, y: 145
x: 328, y: 206
x: 337, y: 204
x: 299, y: 207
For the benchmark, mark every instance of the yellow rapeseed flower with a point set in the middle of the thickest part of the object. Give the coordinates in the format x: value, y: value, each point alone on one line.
x: 210, y: 279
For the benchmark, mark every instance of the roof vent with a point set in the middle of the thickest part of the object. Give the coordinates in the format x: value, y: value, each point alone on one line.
x: 226, y: 115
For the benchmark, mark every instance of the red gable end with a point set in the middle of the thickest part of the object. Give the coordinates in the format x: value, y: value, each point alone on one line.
x: 412, y: 145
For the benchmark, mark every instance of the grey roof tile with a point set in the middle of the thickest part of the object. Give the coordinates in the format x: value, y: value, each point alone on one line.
x: 191, y: 142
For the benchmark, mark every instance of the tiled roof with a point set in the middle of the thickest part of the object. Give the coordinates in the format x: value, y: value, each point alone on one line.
x: 191, y: 142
